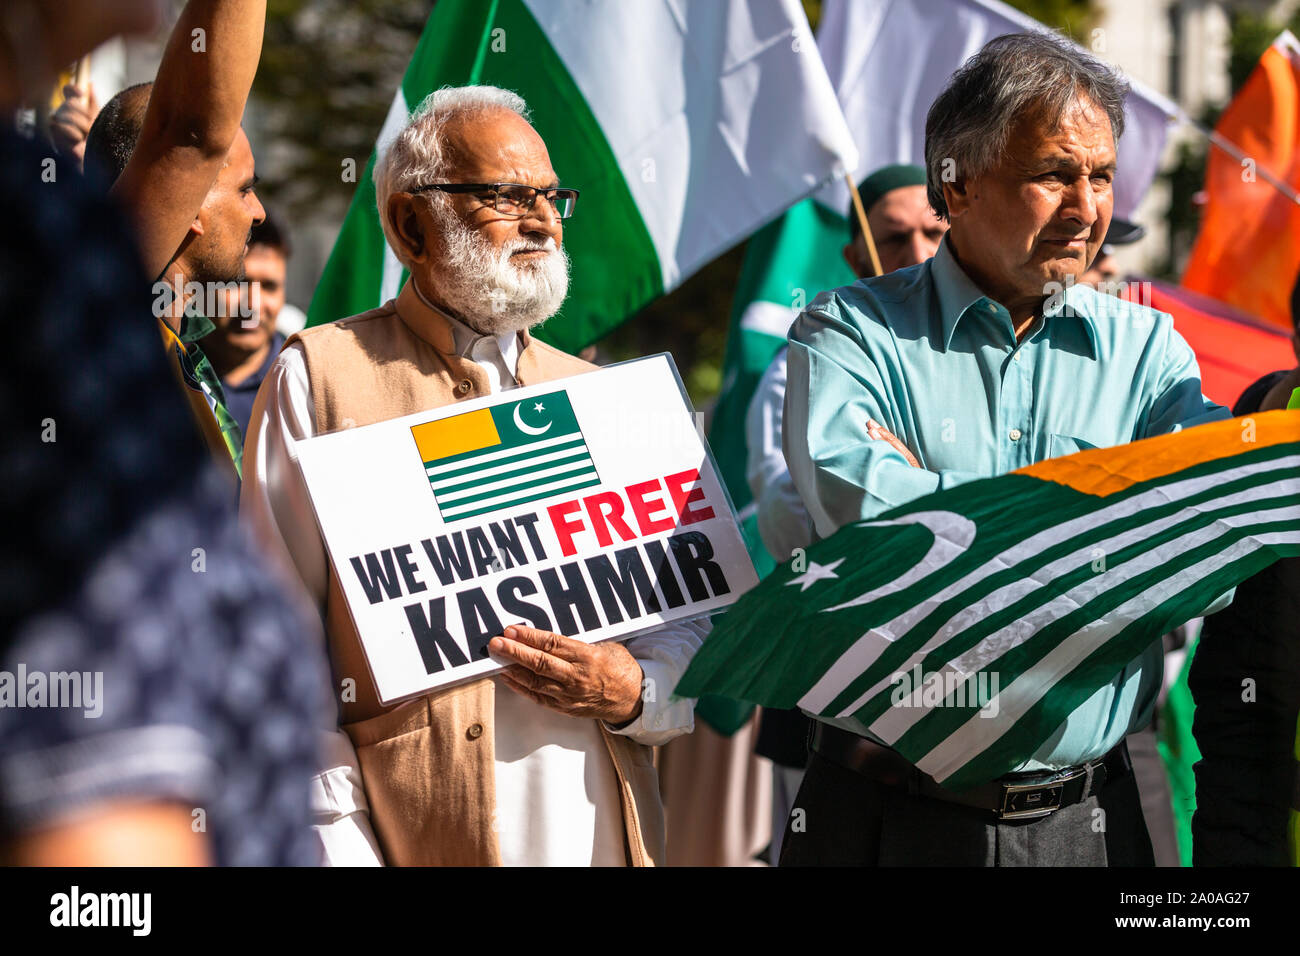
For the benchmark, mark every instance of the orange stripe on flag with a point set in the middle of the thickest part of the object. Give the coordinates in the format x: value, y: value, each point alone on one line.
x: 1104, y: 471
x: 456, y: 435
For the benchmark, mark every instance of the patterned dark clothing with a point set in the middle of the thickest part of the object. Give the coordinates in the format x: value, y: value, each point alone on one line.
x: 122, y: 557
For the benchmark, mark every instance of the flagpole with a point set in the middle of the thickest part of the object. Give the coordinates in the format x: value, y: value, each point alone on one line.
x: 1237, y: 153
x: 81, y: 76
x: 862, y: 222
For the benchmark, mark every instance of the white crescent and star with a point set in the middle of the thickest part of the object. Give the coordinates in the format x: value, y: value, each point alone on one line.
x: 529, y: 429
x: 816, y: 572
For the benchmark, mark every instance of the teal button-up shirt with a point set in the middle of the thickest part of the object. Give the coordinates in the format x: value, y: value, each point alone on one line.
x: 926, y: 354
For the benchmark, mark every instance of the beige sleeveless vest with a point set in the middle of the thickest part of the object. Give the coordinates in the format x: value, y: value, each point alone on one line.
x: 428, y: 764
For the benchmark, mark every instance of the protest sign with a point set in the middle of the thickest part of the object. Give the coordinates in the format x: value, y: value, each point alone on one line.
x: 588, y: 506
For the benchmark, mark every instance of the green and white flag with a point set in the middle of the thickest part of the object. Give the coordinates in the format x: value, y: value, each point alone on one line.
x: 963, y: 628
x: 686, y: 126
x: 505, y: 456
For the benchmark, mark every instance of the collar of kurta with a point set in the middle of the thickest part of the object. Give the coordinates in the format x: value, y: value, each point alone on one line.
x: 958, y: 295
x: 432, y: 324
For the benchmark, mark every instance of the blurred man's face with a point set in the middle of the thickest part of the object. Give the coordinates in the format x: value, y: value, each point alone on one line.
x: 498, y: 273
x: 265, y: 269
x: 229, y: 212
x: 251, y: 306
x: 905, y: 229
x: 1039, y: 216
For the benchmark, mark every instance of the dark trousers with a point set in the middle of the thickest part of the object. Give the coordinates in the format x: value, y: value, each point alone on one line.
x: 841, y: 818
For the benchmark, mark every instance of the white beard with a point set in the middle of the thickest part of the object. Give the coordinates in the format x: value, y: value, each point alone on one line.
x: 494, y: 294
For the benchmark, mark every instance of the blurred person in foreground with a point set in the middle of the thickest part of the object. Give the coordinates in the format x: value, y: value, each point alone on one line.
x: 906, y: 232
x: 1245, y: 678
x: 180, y: 164
x: 157, y: 695
x: 549, y: 763
x: 986, y: 358
x: 245, y: 342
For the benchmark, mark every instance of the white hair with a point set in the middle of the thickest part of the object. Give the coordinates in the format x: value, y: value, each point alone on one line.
x: 417, y: 155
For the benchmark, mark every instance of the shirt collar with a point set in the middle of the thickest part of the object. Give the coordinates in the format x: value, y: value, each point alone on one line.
x: 955, y: 290
x: 958, y: 294
x: 195, y: 326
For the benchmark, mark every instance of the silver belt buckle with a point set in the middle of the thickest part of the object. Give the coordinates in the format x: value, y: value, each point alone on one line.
x: 1025, y: 801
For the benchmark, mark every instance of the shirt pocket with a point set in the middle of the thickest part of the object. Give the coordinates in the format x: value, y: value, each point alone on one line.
x: 1060, y: 444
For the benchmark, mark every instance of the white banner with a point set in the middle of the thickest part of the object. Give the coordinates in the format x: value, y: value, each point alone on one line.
x: 588, y: 506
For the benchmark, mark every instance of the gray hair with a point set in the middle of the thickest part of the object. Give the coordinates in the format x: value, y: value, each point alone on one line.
x: 970, y: 122
x: 417, y: 155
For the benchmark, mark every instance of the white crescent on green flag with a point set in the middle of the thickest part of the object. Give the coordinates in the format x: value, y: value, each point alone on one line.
x: 963, y: 628
x: 686, y: 126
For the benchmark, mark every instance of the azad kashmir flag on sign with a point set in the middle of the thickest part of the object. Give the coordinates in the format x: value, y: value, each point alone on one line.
x: 587, y: 506
x: 686, y: 126
x: 963, y: 628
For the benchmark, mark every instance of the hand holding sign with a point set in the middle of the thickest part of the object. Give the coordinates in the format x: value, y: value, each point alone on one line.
x: 587, y: 507
x: 600, y: 681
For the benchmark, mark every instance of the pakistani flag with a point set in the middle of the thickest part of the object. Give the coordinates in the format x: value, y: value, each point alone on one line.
x: 963, y: 628
x: 504, y: 456
x: 687, y: 126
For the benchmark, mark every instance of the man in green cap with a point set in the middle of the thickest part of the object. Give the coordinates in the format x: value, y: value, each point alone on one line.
x: 905, y: 229
x: 906, y: 232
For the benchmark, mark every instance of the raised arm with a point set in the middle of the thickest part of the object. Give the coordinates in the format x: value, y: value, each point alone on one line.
x: 193, y: 118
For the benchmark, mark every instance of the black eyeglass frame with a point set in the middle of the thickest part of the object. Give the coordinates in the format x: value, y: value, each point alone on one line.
x: 494, y: 188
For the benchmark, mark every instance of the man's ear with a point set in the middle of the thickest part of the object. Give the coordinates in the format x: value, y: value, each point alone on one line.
x: 407, y: 228
x: 957, y: 195
x: 196, y: 228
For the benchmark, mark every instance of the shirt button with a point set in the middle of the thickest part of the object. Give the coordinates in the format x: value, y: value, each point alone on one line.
x: 474, y: 732
x: 1016, y: 357
x: 1015, y: 434
x: 464, y: 386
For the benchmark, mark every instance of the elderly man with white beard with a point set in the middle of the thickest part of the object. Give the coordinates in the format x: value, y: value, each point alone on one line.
x: 549, y: 763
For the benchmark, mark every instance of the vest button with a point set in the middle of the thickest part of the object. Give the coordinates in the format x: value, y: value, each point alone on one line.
x: 474, y: 732
x: 464, y: 386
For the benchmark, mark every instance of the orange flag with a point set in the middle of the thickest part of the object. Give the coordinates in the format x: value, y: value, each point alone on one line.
x: 1247, y: 253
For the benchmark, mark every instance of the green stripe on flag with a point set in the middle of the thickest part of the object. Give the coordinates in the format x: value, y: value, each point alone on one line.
x: 527, y: 455
x: 551, y: 489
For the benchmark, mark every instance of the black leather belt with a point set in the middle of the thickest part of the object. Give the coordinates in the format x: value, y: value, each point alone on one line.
x: 1016, y: 796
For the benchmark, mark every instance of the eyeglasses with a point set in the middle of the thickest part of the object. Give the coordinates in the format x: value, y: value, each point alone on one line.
x: 512, y: 199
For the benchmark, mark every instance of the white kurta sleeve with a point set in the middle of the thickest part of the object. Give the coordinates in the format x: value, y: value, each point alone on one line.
x: 664, y: 656
x: 275, y: 506
x: 783, y: 521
